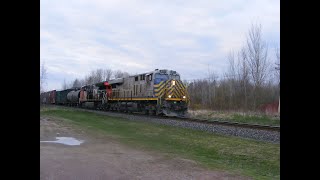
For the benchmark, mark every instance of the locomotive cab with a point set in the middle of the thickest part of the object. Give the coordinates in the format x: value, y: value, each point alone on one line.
x: 171, y: 93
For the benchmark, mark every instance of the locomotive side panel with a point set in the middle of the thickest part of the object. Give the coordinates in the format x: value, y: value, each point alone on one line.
x: 140, y: 86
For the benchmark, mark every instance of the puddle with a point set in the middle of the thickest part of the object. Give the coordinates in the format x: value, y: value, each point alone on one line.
x: 66, y: 141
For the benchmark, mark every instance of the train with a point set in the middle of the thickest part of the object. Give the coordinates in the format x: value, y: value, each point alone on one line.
x: 158, y: 92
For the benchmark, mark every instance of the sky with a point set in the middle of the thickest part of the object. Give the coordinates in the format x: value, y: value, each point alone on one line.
x: 137, y: 36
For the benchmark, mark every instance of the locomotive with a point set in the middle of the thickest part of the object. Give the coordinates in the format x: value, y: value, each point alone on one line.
x: 158, y: 92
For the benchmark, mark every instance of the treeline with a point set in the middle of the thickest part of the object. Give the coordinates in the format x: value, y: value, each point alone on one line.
x: 95, y: 76
x: 230, y: 94
x: 252, y: 79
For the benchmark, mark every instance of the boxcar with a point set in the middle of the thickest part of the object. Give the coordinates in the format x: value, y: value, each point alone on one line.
x: 52, y: 97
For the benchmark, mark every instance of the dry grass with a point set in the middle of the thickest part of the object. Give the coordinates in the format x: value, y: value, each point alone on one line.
x: 247, y: 117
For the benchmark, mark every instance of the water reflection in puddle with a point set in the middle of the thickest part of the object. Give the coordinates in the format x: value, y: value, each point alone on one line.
x: 65, y: 140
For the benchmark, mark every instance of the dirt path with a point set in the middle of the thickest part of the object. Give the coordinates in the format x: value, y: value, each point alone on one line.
x: 102, y: 157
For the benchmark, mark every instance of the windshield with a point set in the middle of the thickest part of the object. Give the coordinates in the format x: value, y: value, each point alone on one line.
x: 176, y: 77
x: 160, y: 77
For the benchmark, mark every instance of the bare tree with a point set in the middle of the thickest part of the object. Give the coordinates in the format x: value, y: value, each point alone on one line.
x: 232, y: 65
x: 95, y: 76
x: 278, y: 73
x: 120, y: 74
x: 98, y: 76
x: 212, y: 84
x: 64, y: 84
x: 82, y: 82
x: 92, y: 77
x: 243, y: 72
x: 237, y: 80
x: 43, y: 76
x: 277, y: 68
x: 76, y: 83
x: 88, y: 79
x: 231, y: 74
x: 107, y: 74
x: 257, y: 53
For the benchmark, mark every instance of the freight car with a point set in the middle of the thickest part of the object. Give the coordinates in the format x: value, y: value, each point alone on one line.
x: 48, y: 97
x: 159, y: 92
x: 44, y: 98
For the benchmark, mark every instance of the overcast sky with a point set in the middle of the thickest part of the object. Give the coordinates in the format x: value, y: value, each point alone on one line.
x: 77, y: 36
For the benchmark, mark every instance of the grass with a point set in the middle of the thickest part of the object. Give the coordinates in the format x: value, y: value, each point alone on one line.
x: 236, y: 117
x: 266, y: 120
x: 258, y: 160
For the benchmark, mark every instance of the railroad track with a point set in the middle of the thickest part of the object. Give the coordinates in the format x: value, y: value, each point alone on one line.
x: 207, y: 121
x: 220, y: 122
x: 230, y: 123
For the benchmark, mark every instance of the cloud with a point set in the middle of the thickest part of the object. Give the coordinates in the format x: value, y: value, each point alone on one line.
x: 138, y: 36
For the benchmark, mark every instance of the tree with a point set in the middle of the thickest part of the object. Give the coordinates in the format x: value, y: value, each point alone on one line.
x: 120, y: 74
x: 82, y: 82
x: 76, y: 83
x: 243, y: 75
x: 278, y: 72
x: 277, y: 68
x: 95, y: 76
x: 212, y: 82
x: 98, y: 76
x: 64, y: 85
x: 43, y: 76
x: 107, y: 74
x: 257, y: 52
x: 231, y: 75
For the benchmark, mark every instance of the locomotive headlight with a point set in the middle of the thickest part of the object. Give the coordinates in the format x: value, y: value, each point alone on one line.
x: 169, y: 96
x: 173, y: 82
x: 183, y: 97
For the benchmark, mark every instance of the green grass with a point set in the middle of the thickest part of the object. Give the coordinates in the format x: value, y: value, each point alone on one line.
x: 254, y: 119
x: 236, y: 117
x: 258, y: 160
